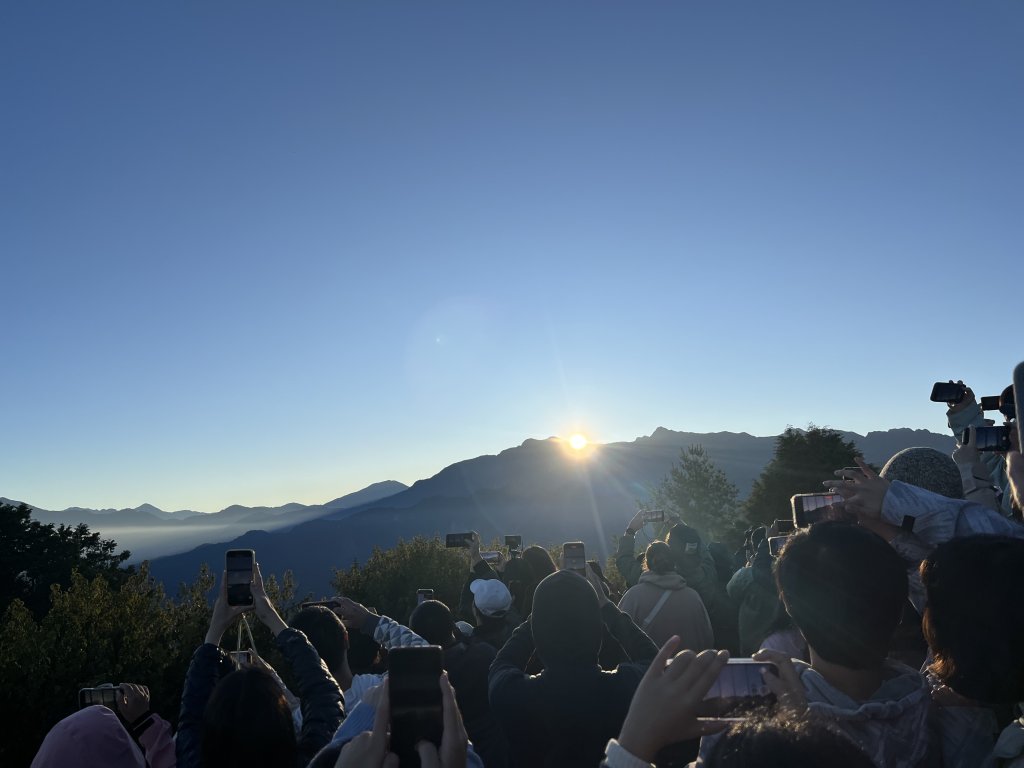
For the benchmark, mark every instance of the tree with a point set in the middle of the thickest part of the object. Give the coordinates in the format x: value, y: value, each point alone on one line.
x: 802, y: 460
x: 701, y: 494
x: 34, y: 556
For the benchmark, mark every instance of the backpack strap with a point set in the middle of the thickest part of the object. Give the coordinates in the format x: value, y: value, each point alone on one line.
x: 657, y: 607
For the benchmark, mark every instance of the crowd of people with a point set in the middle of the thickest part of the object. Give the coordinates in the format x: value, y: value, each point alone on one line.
x: 884, y: 634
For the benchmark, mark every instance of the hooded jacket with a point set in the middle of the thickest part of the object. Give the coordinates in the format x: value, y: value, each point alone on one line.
x: 681, y: 614
x: 95, y: 738
x: 565, y: 715
x: 891, y: 726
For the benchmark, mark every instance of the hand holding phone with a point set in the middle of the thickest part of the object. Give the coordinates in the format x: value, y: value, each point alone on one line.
x: 133, y: 702
x: 414, y: 694
x: 574, y: 557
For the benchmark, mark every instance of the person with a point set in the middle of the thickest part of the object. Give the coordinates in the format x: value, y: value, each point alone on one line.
x: 326, y: 632
x: 383, y: 630
x: 241, y: 717
x: 695, y: 564
x: 974, y: 625
x: 99, y: 737
x: 537, y: 565
x: 487, y: 600
x: 987, y: 470
x: 565, y: 715
x: 753, y: 589
x: 844, y: 588
x: 467, y: 661
x: 662, y: 605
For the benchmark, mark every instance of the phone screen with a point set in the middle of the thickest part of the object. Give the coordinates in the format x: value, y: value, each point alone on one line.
x: 106, y: 697
x: 422, y: 595
x: 458, y: 540
x: 415, y: 696
x: 514, y: 543
x: 239, y: 576
x: 574, y: 557
x: 654, y: 516
x: 775, y: 544
x: 739, y: 689
x: 811, y: 508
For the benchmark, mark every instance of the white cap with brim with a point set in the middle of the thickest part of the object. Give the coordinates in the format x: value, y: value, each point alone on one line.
x: 490, y: 596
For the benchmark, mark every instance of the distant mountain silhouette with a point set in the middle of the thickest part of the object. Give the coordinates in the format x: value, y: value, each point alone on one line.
x: 151, y: 532
x: 536, y: 490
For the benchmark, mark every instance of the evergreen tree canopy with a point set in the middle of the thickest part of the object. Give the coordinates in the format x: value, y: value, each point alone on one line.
x: 701, y: 495
x: 802, y: 460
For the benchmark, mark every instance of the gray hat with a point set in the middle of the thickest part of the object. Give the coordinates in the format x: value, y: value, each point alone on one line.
x: 926, y: 468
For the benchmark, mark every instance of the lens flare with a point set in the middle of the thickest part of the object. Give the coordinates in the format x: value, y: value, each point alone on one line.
x: 578, y: 442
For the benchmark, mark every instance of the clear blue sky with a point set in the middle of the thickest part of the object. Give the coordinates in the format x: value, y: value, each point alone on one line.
x: 260, y: 252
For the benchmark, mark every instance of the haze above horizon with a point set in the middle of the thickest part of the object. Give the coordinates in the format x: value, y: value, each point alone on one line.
x: 255, y: 254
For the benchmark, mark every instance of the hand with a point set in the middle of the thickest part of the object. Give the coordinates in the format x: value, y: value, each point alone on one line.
x: 787, y: 687
x: 664, y: 707
x: 595, y: 582
x: 265, y: 610
x: 637, y: 522
x: 224, y: 615
x: 133, y: 702
x: 965, y: 402
x: 1015, y: 473
x: 370, y: 748
x: 352, y: 613
x: 863, y: 493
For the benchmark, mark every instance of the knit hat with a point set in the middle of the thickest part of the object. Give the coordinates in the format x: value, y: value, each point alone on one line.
x: 566, y: 621
x: 684, y: 540
x: 926, y: 468
x: 491, y: 597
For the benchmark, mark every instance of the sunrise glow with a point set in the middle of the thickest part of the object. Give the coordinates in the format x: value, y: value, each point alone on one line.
x: 578, y: 442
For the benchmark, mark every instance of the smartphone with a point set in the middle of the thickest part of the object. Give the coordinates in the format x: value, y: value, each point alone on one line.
x: 776, y: 543
x: 239, y: 568
x: 995, y: 439
x: 329, y: 604
x: 422, y: 595
x: 458, y: 540
x: 811, y: 508
x: 105, y: 696
x: 514, y: 544
x: 947, y: 392
x: 784, y: 526
x: 739, y: 690
x: 415, y: 697
x: 991, y: 403
x: 574, y: 557
x: 241, y: 658
x: 489, y: 556
x: 654, y: 515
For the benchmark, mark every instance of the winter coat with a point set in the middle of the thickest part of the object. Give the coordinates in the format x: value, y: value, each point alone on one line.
x: 681, y: 614
x: 322, y: 708
x: 95, y: 737
x: 468, y: 663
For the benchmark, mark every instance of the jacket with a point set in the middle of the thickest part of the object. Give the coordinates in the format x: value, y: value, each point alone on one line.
x: 973, y: 416
x: 322, y: 708
x: 468, y: 663
x: 95, y: 737
x: 681, y: 614
x: 938, y: 519
x: 753, y: 589
x: 389, y: 633
x: 565, y: 715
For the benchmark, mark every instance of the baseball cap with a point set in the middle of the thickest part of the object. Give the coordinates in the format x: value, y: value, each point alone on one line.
x: 491, y: 596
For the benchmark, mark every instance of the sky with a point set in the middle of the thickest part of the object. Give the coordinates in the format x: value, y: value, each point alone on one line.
x: 261, y: 252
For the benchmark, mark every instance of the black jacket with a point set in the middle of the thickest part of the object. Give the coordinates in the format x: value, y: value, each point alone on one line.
x: 467, y: 663
x: 565, y: 715
x: 323, y: 707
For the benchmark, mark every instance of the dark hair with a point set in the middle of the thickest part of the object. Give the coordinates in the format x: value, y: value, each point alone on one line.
x: 247, y: 723
x: 974, y: 619
x: 658, y: 558
x: 326, y: 633
x: 845, y: 588
x: 365, y: 655
x: 432, y: 620
x: 784, y: 740
x: 539, y: 565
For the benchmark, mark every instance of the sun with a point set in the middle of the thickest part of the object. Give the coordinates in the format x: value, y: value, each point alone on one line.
x: 578, y: 442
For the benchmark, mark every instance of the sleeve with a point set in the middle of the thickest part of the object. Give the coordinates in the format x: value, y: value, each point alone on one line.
x: 390, y: 633
x: 975, y: 417
x: 625, y: 559
x: 616, y: 756
x: 208, y: 664
x: 153, y: 734
x: 507, y: 677
x: 322, y: 704
x: 938, y: 519
x: 638, y: 647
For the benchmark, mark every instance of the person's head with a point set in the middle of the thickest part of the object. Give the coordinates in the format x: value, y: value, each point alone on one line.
x: 926, y: 468
x: 538, y: 561
x: 685, y: 544
x: 92, y: 738
x: 327, y: 634
x: 765, y: 742
x: 365, y: 655
x: 491, y: 600
x: 247, y: 722
x: 974, y: 619
x: 658, y: 558
x: 566, y: 621
x: 432, y: 620
x: 845, y: 587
